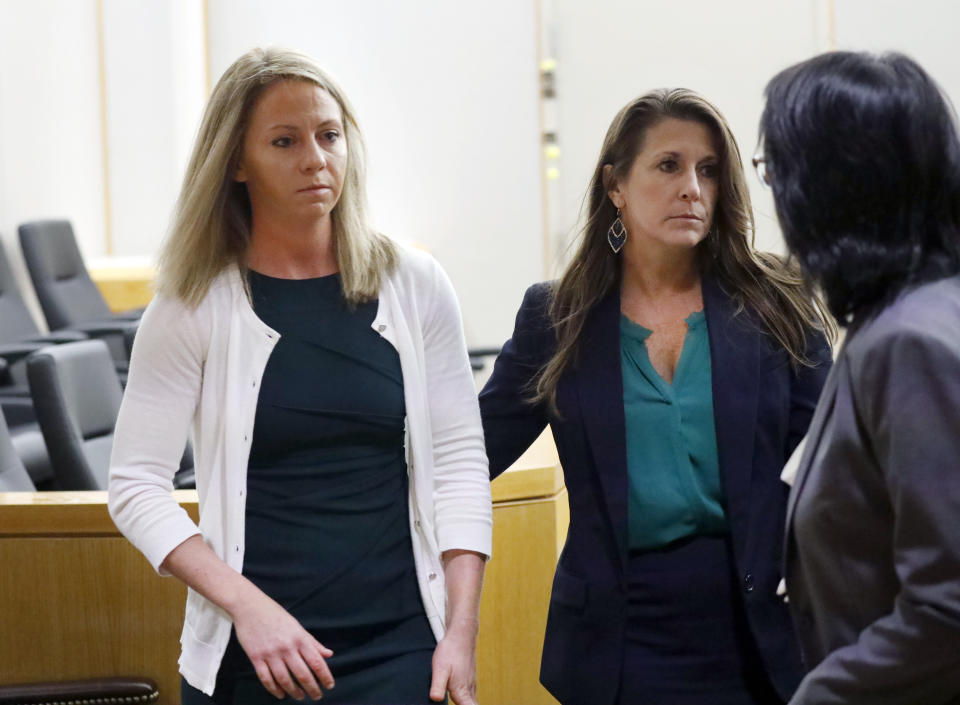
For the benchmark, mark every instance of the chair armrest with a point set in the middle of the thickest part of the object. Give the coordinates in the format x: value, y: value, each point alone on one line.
x: 118, y: 691
x: 133, y: 314
x: 99, y: 329
x: 483, y: 352
x: 58, y: 337
x: 11, y: 352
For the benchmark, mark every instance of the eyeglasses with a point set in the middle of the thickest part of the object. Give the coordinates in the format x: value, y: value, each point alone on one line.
x: 760, y: 164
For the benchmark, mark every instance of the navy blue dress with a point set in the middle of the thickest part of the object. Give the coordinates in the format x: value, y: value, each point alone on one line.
x: 327, y: 530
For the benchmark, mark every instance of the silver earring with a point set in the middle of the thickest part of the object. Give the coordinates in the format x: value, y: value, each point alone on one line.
x: 616, y: 234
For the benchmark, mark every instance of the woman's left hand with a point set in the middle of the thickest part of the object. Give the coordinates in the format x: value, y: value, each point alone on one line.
x: 455, y: 665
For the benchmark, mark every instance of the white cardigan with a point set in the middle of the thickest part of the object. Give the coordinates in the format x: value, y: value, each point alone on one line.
x: 203, y: 366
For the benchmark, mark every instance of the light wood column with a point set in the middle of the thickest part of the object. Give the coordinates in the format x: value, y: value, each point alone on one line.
x: 530, y: 517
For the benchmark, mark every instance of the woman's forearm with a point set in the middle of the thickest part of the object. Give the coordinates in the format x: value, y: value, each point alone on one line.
x: 463, y: 572
x: 455, y: 659
x: 195, y: 564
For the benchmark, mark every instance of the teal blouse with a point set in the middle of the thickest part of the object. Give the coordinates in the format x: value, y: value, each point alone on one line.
x: 674, y: 474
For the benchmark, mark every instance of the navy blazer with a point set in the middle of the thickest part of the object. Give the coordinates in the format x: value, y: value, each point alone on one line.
x: 762, y: 407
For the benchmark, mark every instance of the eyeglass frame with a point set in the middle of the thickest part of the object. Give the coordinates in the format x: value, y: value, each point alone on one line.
x: 760, y: 167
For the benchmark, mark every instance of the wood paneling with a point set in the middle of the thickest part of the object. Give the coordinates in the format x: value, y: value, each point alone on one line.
x: 78, y: 601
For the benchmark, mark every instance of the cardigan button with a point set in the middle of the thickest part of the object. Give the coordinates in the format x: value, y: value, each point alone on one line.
x: 748, y: 582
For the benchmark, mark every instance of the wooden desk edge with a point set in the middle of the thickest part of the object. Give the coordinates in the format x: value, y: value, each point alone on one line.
x: 24, y: 514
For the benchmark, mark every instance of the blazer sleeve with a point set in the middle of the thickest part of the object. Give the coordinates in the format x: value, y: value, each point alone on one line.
x: 907, y: 393
x: 806, y: 383
x: 510, y: 421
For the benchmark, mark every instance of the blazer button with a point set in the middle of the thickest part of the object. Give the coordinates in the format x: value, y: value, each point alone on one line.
x: 748, y: 582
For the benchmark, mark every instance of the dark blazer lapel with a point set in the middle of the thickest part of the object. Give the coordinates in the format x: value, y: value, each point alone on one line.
x: 600, y: 390
x: 734, y: 362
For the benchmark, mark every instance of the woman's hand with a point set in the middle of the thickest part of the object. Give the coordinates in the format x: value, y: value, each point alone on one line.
x: 455, y: 665
x: 286, y: 657
x: 288, y: 660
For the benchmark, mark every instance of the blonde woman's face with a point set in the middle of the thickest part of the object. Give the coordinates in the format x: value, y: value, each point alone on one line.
x: 294, y: 153
x: 668, y: 197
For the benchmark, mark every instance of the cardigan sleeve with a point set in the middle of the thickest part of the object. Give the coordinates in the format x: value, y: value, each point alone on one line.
x: 461, y: 484
x: 510, y: 421
x: 163, y: 386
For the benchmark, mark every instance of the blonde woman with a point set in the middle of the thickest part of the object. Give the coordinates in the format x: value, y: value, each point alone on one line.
x: 344, y: 502
x: 678, y: 368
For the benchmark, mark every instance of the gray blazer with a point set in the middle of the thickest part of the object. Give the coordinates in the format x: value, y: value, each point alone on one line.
x: 872, y: 546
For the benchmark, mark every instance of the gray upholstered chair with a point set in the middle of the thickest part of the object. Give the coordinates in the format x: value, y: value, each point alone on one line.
x: 76, y: 396
x: 68, y: 296
x: 66, y: 292
x: 19, y: 336
x: 13, y: 474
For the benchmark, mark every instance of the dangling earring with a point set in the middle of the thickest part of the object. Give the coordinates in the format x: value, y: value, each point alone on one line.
x: 616, y: 234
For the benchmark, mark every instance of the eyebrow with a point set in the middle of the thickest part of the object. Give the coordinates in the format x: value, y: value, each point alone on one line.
x: 325, y: 123
x: 671, y: 153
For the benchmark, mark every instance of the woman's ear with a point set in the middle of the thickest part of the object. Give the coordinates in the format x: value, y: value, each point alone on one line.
x: 241, y: 173
x: 612, y: 186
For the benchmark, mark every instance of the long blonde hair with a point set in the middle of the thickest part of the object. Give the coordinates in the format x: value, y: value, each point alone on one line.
x: 210, y: 229
x: 770, y: 287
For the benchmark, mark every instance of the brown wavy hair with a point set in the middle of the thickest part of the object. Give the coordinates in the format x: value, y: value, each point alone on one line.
x: 771, y: 287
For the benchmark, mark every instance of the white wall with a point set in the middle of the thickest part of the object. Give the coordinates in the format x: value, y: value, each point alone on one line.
x: 724, y: 50
x: 446, y: 94
x: 50, y: 158
x: 156, y: 89
x: 926, y: 30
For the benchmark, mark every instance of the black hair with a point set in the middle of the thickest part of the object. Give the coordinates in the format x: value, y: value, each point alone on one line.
x: 864, y: 162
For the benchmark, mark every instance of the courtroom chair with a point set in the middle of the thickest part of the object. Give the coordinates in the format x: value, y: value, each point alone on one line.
x: 68, y: 296
x: 19, y: 336
x: 76, y: 395
x: 13, y: 475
